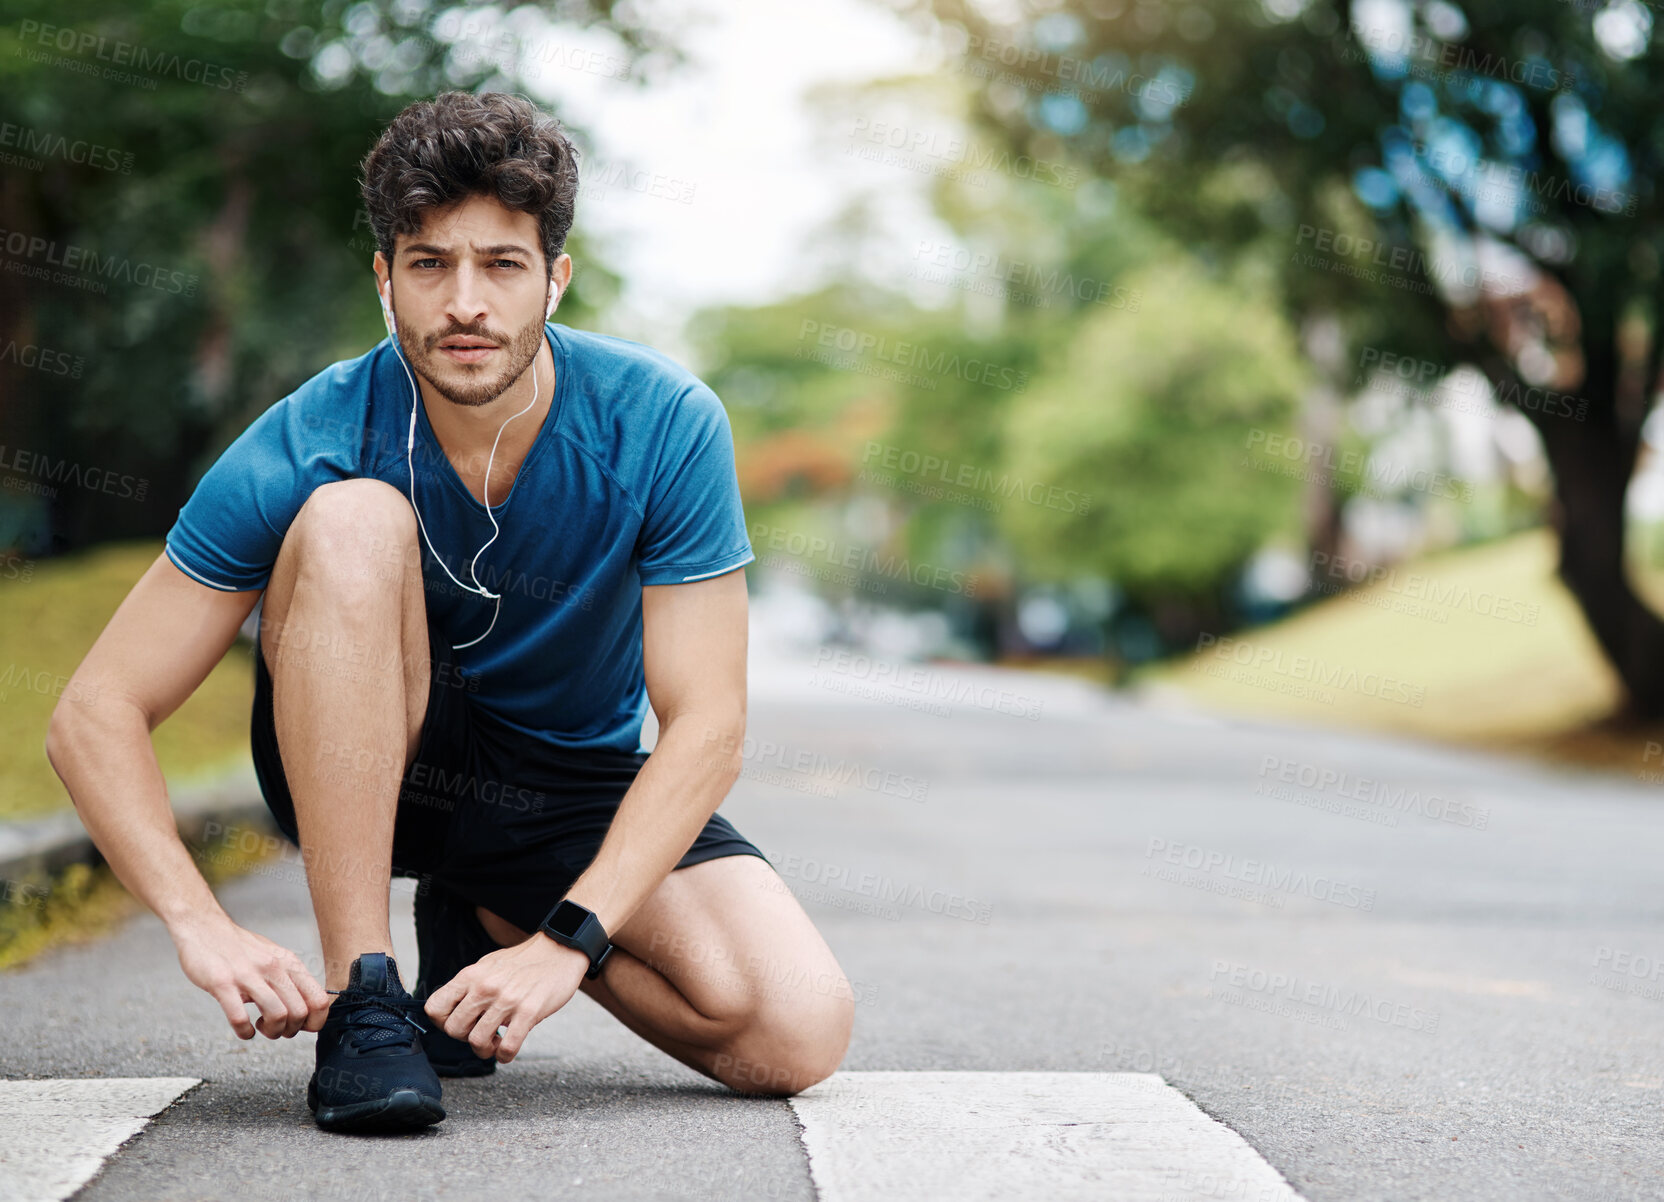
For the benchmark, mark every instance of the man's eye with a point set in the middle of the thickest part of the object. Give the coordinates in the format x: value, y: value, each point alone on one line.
x: 509, y: 262
x: 420, y: 262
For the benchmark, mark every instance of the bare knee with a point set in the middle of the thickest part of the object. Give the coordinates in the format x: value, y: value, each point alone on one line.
x: 787, y: 1040
x: 354, y: 530
x: 349, y: 546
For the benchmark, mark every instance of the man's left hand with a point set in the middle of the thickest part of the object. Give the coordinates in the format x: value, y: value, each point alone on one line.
x: 515, y: 987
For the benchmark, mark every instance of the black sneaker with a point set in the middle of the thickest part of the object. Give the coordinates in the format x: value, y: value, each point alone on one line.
x: 449, y: 937
x: 372, y: 1074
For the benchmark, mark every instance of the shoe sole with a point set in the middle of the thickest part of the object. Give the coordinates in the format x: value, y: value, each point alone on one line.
x: 401, y: 1110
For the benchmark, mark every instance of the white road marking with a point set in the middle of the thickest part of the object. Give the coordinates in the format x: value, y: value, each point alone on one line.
x: 54, y: 1134
x: 961, y: 1137
x: 957, y: 1137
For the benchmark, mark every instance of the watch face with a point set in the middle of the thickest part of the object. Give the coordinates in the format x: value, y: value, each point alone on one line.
x: 567, y: 919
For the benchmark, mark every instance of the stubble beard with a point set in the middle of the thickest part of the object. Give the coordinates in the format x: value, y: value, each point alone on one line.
x: 467, y: 384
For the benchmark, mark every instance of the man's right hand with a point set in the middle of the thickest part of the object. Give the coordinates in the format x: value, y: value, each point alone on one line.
x: 160, y: 644
x: 235, y: 966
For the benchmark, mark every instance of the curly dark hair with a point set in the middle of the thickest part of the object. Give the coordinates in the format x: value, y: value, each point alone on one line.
x: 441, y: 151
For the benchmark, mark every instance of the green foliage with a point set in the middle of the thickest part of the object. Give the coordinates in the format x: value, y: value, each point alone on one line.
x: 1148, y: 417
x: 229, y: 175
x: 1309, y: 104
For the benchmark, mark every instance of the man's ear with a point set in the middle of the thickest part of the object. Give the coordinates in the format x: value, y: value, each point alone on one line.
x: 560, y: 279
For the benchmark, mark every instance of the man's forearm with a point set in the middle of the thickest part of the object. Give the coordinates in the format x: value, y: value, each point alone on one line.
x: 103, y: 754
x: 693, y: 765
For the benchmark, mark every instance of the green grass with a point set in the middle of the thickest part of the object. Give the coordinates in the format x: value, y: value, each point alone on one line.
x: 1477, y: 677
x: 47, y: 624
x: 81, y: 903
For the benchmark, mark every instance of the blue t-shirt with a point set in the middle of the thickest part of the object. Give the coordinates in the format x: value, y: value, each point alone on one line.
x: 630, y: 482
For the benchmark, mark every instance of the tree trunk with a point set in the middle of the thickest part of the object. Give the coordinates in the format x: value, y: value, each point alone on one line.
x: 1592, y: 464
x: 1321, y: 421
x: 1593, y: 457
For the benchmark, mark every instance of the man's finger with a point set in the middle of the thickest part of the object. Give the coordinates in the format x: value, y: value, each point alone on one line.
x: 291, y: 1000
x: 466, y: 1013
x: 483, y: 1038
x: 273, y: 1013
x: 443, y: 1000
x: 231, y: 1001
x: 519, y: 1027
x: 317, y: 1000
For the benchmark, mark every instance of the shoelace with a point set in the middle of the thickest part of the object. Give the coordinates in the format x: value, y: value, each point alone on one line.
x: 382, y: 1031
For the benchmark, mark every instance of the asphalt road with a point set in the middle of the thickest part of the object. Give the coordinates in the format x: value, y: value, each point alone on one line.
x: 1433, y: 977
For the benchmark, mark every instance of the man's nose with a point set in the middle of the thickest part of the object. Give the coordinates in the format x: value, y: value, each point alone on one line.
x: 467, y: 305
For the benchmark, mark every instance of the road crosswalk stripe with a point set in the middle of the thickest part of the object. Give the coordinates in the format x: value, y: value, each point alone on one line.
x: 954, y: 1136
x: 54, y: 1134
x: 970, y: 1136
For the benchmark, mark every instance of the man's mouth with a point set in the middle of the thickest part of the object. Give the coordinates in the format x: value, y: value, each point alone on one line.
x: 463, y: 349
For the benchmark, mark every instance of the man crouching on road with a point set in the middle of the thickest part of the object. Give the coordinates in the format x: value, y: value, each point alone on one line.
x: 484, y: 548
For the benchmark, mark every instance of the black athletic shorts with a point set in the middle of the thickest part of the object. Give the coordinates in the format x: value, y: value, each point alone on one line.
x: 495, y: 816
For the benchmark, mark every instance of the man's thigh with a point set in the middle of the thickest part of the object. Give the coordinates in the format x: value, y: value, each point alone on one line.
x: 731, y: 938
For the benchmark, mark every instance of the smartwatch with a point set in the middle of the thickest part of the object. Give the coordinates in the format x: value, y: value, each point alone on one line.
x: 577, y: 927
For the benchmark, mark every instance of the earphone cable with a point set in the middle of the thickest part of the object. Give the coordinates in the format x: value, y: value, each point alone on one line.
x: 410, y: 446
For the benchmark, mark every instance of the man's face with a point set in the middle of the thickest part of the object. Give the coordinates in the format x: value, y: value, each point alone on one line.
x: 470, y: 291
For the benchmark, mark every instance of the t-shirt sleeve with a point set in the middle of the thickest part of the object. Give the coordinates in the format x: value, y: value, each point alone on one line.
x: 230, y: 530
x: 694, y: 524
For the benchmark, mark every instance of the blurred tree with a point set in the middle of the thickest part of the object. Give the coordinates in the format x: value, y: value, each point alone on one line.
x: 828, y: 391
x: 1036, y: 279
x: 1452, y: 180
x: 220, y: 198
x: 1131, y: 460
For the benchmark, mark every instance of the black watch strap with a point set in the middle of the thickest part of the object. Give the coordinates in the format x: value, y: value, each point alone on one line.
x: 577, y: 927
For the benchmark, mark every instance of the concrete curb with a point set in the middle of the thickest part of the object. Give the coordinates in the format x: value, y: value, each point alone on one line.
x: 35, y: 848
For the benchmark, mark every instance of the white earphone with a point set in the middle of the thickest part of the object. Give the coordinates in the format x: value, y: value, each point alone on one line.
x: 409, y: 450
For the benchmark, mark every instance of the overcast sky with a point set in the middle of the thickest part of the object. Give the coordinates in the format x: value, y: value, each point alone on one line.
x: 742, y: 182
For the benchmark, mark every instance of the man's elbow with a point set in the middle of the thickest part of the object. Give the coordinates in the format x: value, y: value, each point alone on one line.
x: 721, y: 740
x: 60, y: 737
x: 72, y: 725
x: 733, y: 739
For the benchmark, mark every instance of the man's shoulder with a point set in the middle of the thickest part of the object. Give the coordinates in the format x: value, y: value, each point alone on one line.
x: 633, y: 408
x: 615, y: 370
x: 343, y: 379
x: 333, y: 404
x: 325, y: 423
x: 330, y: 386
